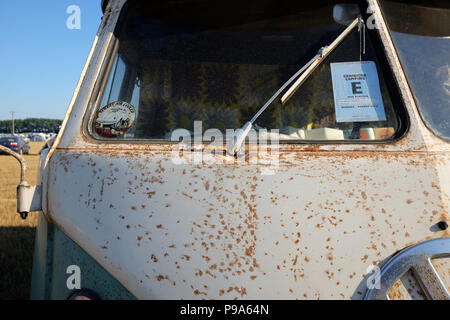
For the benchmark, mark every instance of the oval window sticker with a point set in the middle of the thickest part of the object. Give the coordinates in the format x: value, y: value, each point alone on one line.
x: 114, y: 119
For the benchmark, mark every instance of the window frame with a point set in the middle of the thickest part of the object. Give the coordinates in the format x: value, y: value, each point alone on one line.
x: 383, y: 66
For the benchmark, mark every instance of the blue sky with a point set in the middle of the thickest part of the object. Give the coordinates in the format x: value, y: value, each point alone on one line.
x: 40, y: 58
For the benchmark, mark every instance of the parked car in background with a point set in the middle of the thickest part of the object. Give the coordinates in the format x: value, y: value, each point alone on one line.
x: 37, y: 137
x: 15, y: 143
x: 48, y: 144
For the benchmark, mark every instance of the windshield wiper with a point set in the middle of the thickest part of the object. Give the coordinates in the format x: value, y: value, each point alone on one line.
x: 234, y: 144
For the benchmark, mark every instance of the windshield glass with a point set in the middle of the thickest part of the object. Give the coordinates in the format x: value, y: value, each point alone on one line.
x: 421, y: 34
x: 219, y: 62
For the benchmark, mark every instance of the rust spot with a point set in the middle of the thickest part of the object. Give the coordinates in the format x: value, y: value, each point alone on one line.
x: 161, y: 277
x: 198, y: 292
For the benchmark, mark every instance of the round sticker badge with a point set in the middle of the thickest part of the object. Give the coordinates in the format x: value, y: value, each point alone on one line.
x: 114, y: 119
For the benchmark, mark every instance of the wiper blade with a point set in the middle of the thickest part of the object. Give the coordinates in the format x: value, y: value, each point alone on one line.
x: 234, y: 144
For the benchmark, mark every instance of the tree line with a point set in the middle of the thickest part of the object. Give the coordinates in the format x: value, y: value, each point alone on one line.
x: 31, y: 125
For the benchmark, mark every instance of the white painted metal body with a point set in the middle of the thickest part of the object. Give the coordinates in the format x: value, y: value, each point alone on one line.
x: 225, y: 231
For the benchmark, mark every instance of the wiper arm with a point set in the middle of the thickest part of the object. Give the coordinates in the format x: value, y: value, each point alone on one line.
x: 234, y: 144
x: 323, y: 52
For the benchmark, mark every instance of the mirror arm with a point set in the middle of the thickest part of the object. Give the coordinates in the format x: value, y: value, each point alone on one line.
x: 19, y: 158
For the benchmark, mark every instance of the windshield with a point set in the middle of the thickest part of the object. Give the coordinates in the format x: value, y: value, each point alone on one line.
x: 219, y: 62
x: 421, y: 34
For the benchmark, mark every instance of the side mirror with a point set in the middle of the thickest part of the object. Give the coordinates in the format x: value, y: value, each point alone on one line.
x: 346, y: 13
x: 28, y: 197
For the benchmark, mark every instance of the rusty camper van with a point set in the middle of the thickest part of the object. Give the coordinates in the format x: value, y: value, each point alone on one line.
x: 336, y: 185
